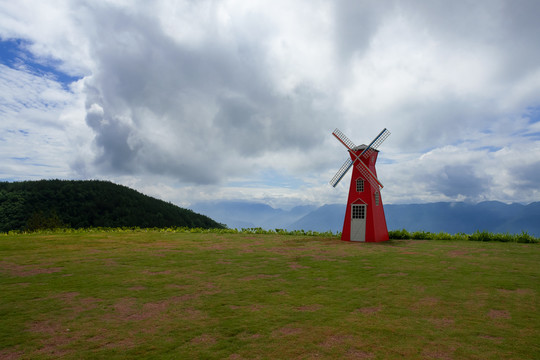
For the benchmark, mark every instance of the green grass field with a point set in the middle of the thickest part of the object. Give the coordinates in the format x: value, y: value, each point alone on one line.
x: 247, y: 296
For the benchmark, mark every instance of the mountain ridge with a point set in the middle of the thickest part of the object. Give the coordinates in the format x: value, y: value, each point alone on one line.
x: 246, y: 214
x: 450, y: 217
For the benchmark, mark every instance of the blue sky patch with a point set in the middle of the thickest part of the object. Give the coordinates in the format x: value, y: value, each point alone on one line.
x: 14, y: 53
x: 489, y: 148
x: 533, y: 114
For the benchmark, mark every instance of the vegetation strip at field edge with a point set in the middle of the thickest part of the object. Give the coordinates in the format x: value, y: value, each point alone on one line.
x: 524, y: 237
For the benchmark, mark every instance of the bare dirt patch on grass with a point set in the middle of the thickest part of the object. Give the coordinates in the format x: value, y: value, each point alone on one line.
x: 465, y: 253
x: 435, y: 350
x: 294, y: 265
x: 492, y: 338
x: 369, y: 309
x: 499, y: 314
x: 10, y: 354
x: 259, y: 276
x: 177, y: 286
x: 324, y: 257
x: 76, y: 304
x: 27, y: 270
x: 110, y: 262
x: 521, y: 292
x: 442, y: 323
x: 137, y: 288
x: 206, y: 339
x: 437, y: 354
x: 425, y: 302
x: 333, y: 341
x: 54, y: 337
x: 126, y: 342
x: 310, y: 308
x: 286, y: 331
x: 163, y: 272
x: 457, y: 253
x: 192, y: 314
x: 394, y: 274
x: 128, y: 309
x: 358, y: 354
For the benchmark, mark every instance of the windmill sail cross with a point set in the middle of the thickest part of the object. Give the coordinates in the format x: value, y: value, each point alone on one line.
x: 372, y: 179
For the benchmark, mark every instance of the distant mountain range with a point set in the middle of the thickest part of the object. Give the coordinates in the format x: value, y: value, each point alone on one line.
x: 239, y: 214
x: 492, y: 216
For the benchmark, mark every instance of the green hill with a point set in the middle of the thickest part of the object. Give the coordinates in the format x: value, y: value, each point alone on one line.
x: 31, y: 205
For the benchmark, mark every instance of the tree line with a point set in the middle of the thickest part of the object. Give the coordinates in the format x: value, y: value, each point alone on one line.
x: 47, y: 204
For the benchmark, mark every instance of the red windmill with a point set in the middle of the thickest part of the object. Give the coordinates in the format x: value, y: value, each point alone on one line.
x: 364, y: 216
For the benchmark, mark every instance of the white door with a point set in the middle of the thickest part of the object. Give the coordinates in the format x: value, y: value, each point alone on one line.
x: 358, y: 222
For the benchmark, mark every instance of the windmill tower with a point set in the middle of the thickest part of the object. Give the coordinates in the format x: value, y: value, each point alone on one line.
x: 364, y: 217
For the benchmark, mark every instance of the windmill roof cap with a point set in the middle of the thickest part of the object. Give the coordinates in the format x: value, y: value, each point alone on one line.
x: 362, y: 147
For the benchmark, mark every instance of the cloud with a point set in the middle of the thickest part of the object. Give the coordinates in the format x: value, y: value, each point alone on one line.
x: 36, y: 114
x: 228, y: 96
x: 356, y: 23
x: 458, y: 180
x: 173, y: 108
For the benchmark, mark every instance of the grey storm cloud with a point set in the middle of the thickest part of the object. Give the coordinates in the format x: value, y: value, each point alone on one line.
x: 456, y: 180
x: 217, y: 98
x: 526, y: 177
x: 356, y: 23
x: 506, y: 29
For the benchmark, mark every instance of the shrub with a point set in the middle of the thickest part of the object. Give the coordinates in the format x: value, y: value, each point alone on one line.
x: 403, y: 234
x: 442, y: 236
x: 480, y: 236
x: 421, y: 235
x: 524, y: 237
x: 399, y: 234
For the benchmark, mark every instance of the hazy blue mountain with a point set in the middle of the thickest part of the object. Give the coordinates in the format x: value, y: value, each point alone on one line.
x: 448, y: 217
x: 325, y: 218
x: 457, y: 217
x: 243, y: 214
x: 452, y: 218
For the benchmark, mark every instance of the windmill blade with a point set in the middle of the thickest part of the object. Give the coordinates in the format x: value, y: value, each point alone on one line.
x: 368, y: 175
x: 341, y: 172
x: 375, y: 143
x: 343, y: 139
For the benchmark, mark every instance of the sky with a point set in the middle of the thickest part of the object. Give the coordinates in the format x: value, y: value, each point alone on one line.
x: 207, y: 100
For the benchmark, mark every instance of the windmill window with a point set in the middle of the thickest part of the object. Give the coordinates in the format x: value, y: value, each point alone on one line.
x: 377, y: 198
x: 359, y: 185
x: 358, y: 211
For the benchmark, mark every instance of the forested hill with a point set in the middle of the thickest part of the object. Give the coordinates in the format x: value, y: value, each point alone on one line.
x: 31, y: 205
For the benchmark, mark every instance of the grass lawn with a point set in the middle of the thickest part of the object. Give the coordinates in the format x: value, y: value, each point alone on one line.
x: 238, y: 296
